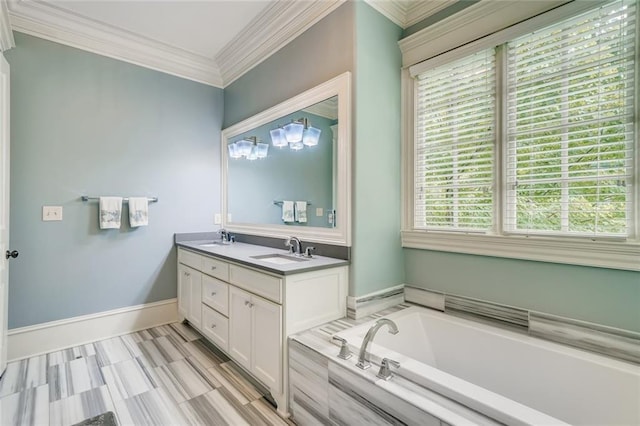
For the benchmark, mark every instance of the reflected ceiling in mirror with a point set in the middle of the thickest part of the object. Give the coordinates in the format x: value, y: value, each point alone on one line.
x: 318, y: 174
x: 293, y: 183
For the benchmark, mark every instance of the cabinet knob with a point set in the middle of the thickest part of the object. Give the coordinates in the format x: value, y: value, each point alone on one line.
x: 213, y: 268
x: 187, y: 274
x: 11, y: 254
x: 213, y: 293
x: 247, y: 303
x: 213, y: 326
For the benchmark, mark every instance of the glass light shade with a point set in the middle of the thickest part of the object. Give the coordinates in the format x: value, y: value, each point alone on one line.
x: 262, y: 149
x: 296, y: 146
x: 244, y: 147
x: 253, y: 153
x: 233, y: 151
x: 293, y: 132
x: 277, y: 137
x: 311, y: 136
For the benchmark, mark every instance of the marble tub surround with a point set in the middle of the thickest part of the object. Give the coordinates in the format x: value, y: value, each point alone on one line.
x: 244, y: 254
x: 327, y: 390
x: 362, y: 306
x: 610, y: 341
x: 327, y: 250
x: 159, y: 376
x: 613, y: 342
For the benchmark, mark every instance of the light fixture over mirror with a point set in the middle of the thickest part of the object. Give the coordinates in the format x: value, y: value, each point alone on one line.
x: 316, y: 168
x: 248, y: 148
x: 296, y: 135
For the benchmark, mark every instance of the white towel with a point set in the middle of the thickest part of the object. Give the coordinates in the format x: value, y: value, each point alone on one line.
x: 301, y: 211
x: 138, y: 211
x: 287, y: 212
x: 110, y: 212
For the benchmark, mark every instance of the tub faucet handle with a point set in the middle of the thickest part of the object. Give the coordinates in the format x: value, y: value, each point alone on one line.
x: 345, y: 353
x: 385, y: 368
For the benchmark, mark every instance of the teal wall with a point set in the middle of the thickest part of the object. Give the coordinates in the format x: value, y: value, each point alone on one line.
x: 377, y: 259
x: 86, y: 124
x: 284, y: 174
x: 605, y: 296
x: 322, y: 52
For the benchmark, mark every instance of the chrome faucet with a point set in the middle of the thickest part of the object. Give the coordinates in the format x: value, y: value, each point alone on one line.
x: 290, y: 243
x: 224, y: 235
x: 363, y: 358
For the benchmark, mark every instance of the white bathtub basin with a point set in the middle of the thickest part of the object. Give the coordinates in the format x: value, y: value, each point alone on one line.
x: 511, y: 377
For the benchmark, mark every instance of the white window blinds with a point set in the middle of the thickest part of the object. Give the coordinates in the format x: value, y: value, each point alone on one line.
x: 454, y: 146
x: 570, y: 125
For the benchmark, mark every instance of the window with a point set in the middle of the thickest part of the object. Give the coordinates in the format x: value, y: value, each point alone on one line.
x: 531, y: 139
x: 571, y: 126
x: 454, y: 158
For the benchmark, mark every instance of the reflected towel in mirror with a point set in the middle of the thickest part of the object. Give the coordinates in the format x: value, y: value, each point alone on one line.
x: 301, y: 211
x: 288, y: 212
x: 110, y: 212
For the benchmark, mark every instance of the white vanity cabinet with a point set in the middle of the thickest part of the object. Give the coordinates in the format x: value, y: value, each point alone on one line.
x: 248, y: 313
x: 190, y: 294
x: 255, y: 336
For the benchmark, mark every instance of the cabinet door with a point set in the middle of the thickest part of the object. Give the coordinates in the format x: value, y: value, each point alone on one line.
x: 267, y: 342
x: 240, y: 326
x: 195, y: 299
x: 184, y: 290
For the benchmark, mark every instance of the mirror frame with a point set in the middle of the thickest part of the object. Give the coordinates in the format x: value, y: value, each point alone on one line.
x: 341, y: 233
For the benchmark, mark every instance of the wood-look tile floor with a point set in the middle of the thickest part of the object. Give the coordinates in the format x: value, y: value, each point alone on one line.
x: 161, y: 376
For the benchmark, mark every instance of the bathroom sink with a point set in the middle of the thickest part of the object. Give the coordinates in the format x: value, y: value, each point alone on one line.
x: 214, y: 244
x: 279, y: 259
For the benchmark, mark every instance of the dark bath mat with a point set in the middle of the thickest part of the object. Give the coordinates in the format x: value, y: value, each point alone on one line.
x: 104, y: 419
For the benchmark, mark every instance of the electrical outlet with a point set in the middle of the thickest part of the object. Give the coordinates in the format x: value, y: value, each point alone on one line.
x: 217, y: 219
x: 319, y: 212
x: 51, y: 213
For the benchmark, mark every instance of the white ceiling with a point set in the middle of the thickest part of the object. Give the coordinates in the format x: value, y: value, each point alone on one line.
x: 201, y: 27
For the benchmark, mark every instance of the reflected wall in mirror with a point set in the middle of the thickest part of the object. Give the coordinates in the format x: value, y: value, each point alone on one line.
x: 319, y: 174
x: 257, y: 187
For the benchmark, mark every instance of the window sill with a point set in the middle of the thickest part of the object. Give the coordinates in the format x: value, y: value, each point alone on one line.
x: 600, y: 254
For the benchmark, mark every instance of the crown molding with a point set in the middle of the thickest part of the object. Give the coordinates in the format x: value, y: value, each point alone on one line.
x: 472, y: 23
x: 281, y: 22
x: 6, y: 35
x: 406, y: 13
x: 395, y: 10
x: 420, y: 10
x: 52, y: 23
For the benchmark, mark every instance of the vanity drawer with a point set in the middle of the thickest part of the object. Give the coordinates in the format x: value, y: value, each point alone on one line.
x: 264, y: 285
x: 215, y: 327
x: 190, y: 259
x: 215, y: 293
x: 216, y: 268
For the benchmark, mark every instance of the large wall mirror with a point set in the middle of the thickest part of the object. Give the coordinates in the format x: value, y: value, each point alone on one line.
x: 286, y: 171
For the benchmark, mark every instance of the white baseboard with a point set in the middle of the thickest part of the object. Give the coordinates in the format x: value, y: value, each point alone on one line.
x: 52, y: 336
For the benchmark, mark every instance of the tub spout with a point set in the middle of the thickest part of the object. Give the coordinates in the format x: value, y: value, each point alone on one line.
x: 363, y: 359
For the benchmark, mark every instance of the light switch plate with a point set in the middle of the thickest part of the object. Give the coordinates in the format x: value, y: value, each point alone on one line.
x: 229, y: 218
x: 50, y: 213
x: 319, y: 212
x: 217, y: 219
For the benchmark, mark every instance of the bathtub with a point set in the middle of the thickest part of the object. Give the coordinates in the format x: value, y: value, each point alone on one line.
x: 503, y: 374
